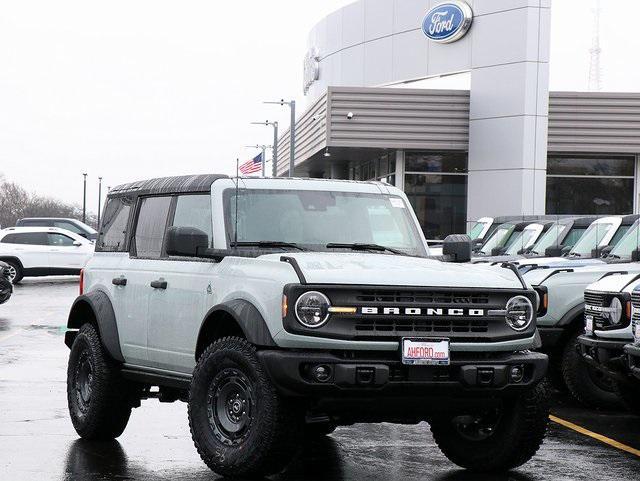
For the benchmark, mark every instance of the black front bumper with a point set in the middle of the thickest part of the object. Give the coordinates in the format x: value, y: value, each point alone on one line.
x: 632, y: 352
x: 606, y: 355
x: 381, y: 375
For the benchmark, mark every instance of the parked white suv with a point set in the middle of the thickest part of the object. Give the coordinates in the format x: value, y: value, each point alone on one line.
x: 281, y: 308
x: 43, y: 251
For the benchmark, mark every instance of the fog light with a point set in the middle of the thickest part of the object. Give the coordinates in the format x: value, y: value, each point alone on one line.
x: 516, y: 374
x: 321, y: 373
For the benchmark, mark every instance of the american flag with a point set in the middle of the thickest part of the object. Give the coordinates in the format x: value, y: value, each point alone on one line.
x: 253, y: 165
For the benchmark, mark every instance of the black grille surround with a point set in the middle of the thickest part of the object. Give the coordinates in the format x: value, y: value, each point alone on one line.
x: 394, y: 326
x: 597, y: 299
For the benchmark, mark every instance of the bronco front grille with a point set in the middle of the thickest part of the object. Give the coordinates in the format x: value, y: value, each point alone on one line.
x: 411, y: 297
x: 403, y: 327
x: 635, y: 312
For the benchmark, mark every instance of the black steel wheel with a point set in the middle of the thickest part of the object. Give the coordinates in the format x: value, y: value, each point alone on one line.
x: 497, y: 439
x: 229, y: 405
x: 241, y: 426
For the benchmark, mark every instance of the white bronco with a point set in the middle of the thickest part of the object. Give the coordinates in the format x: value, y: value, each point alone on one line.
x: 282, y: 308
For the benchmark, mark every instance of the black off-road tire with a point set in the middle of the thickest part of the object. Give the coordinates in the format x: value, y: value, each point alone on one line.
x: 587, y: 385
x: 516, y: 438
x: 629, y: 393
x: 6, y: 289
x: 103, y: 414
x: 19, y: 274
x: 267, y: 438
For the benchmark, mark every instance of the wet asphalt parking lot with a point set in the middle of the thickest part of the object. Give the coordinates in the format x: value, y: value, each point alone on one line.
x: 37, y: 441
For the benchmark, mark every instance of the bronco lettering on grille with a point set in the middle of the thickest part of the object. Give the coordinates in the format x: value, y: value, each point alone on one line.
x: 421, y: 311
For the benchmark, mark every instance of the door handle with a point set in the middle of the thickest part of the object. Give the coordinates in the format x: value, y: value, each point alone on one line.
x: 159, y: 284
x: 119, y: 281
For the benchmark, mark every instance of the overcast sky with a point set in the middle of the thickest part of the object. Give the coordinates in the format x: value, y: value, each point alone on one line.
x: 136, y: 89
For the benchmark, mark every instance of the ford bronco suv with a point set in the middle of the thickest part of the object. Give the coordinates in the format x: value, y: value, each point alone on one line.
x: 561, y: 319
x: 279, y: 309
x: 611, y: 306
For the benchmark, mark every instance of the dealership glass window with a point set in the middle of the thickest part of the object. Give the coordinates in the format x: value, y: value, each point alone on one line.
x: 381, y: 168
x: 436, y: 184
x: 590, y: 184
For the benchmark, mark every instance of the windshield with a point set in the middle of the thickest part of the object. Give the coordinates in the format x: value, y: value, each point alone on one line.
x: 497, y: 239
x: 521, y: 240
x: 591, y: 239
x: 477, y: 229
x: 549, y: 238
x: 313, y: 219
x: 627, y: 244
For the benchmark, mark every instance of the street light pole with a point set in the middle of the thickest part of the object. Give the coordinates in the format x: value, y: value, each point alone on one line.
x: 99, y: 199
x: 292, y: 134
x: 264, y: 157
x: 274, y: 160
x: 84, y: 199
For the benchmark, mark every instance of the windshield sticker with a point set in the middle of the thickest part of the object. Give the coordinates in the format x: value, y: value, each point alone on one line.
x: 397, y: 202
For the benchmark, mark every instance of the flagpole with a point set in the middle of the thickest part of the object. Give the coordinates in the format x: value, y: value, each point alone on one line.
x: 264, y: 161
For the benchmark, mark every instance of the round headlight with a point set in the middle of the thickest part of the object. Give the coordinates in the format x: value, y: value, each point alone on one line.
x: 615, y: 311
x: 519, y: 313
x: 312, y: 309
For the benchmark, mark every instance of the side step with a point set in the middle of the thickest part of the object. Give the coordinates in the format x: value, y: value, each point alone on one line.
x: 153, y: 378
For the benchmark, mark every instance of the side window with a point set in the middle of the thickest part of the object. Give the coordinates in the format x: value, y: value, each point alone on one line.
x: 113, y: 232
x: 28, y: 238
x: 10, y: 239
x: 68, y: 226
x: 194, y: 211
x: 59, y: 240
x: 152, y: 223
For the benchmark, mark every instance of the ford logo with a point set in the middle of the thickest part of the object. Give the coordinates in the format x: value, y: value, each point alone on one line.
x: 447, y: 22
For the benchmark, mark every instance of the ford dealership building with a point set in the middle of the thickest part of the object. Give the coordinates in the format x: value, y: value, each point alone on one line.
x: 504, y: 146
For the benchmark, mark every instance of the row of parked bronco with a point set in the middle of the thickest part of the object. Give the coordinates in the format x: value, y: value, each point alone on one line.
x: 585, y: 270
x: 280, y: 309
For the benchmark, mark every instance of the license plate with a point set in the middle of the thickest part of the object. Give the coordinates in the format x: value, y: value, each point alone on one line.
x: 588, y: 324
x: 429, y: 352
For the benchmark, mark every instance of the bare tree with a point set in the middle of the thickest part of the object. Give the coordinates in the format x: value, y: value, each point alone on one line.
x: 16, y: 203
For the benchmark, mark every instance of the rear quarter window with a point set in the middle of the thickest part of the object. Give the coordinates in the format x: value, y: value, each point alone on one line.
x: 114, y: 228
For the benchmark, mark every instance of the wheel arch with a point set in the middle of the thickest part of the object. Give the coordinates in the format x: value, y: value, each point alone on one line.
x: 12, y: 259
x: 233, y: 318
x: 95, y: 307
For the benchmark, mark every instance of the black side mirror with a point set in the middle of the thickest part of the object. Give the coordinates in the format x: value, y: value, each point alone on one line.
x: 595, y: 253
x: 458, y: 246
x: 498, y: 251
x: 186, y: 241
x: 635, y: 255
x: 554, y: 251
x: 605, y: 251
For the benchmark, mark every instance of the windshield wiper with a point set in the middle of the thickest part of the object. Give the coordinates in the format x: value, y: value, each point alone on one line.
x: 283, y: 245
x: 364, y: 247
x: 574, y: 254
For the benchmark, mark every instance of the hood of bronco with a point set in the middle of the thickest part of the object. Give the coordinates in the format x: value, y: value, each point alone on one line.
x: 363, y: 268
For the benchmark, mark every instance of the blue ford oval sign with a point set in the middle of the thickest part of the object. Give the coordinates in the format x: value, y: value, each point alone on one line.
x: 447, y: 22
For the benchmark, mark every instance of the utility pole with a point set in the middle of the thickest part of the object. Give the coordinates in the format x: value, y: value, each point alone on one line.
x: 292, y: 132
x: 274, y: 160
x: 84, y: 200
x: 99, y: 199
x: 264, y: 156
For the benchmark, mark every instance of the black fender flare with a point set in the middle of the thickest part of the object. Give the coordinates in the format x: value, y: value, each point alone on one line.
x: 247, y: 317
x: 98, y: 304
x: 570, y: 315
